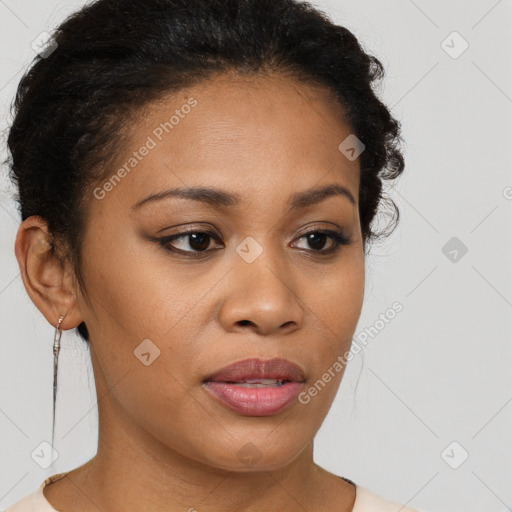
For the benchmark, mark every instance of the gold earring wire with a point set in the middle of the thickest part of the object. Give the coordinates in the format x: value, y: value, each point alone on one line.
x: 56, y: 350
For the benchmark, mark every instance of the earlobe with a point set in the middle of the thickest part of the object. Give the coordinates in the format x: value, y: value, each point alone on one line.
x: 44, y: 275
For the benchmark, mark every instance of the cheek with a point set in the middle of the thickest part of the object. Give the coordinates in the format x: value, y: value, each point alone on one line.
x: 336, y: 303
x: 336, y: 298
x: 127, y: 291
x: 343, y: 308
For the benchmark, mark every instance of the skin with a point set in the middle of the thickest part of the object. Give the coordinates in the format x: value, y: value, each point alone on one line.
x: 165, y: 444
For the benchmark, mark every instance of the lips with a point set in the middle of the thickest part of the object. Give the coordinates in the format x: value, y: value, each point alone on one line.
x: 256, y: 387
x: 257, y: 371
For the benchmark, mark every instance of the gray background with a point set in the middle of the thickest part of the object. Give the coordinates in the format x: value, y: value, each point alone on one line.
x: 439, y: 372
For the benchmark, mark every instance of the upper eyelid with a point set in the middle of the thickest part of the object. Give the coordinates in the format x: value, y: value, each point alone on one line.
x: 213, y: 233
x: 190, y: 228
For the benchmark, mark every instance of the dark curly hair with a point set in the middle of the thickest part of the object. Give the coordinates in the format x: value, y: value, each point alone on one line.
x: 112, y: 58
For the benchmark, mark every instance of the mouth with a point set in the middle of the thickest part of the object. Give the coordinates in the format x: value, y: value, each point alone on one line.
x: 255, y: 387
x: 255, y: 371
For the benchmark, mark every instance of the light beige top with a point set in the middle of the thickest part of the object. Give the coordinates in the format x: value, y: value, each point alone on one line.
x: 366, y: 501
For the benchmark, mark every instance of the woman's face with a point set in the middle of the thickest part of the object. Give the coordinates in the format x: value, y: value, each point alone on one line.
x: 164, y: 317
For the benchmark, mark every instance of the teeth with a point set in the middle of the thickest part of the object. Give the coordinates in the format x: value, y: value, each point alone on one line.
x: 260, y: 383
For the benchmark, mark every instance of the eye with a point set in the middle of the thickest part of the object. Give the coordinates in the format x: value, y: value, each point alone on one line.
x: 318, y: 238
x: 199, y: 241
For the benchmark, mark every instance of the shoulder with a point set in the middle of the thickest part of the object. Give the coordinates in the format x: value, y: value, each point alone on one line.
x: 367, y: 501
x: 36, y: 501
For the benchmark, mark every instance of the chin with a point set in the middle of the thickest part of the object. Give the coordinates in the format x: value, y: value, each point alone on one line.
x: 249, y: 456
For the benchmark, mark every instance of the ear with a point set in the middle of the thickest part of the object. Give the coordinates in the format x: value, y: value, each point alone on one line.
x: 47, y: 281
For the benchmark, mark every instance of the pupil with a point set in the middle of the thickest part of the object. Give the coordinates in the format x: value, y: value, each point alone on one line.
x: 199, y: 241
x: 313, y: 237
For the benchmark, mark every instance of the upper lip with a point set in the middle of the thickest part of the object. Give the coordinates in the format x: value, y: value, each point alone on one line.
x: 255, y: 368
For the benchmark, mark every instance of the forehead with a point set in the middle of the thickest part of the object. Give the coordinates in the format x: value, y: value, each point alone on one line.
x: 240, y: 133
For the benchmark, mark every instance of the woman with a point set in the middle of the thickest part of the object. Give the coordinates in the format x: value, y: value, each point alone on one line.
x: 197, y: 182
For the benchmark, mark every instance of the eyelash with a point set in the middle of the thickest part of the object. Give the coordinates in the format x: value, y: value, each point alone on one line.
x: 339, y: 239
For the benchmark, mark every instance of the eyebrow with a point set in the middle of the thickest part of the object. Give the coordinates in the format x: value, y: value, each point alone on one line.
x: 218, y: 198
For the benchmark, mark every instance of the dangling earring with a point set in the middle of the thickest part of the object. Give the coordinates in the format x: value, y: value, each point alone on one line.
x: 56, y: 349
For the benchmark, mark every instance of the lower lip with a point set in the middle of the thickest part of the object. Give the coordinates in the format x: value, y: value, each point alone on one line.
x: 255, y: 401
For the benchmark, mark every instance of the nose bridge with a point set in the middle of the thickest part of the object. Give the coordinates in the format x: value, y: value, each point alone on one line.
x: 260, y: 264
x: 261, y: 258
x: 257, y: 262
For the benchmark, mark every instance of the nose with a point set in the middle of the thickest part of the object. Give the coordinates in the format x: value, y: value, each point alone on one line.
x: 262, y: 296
